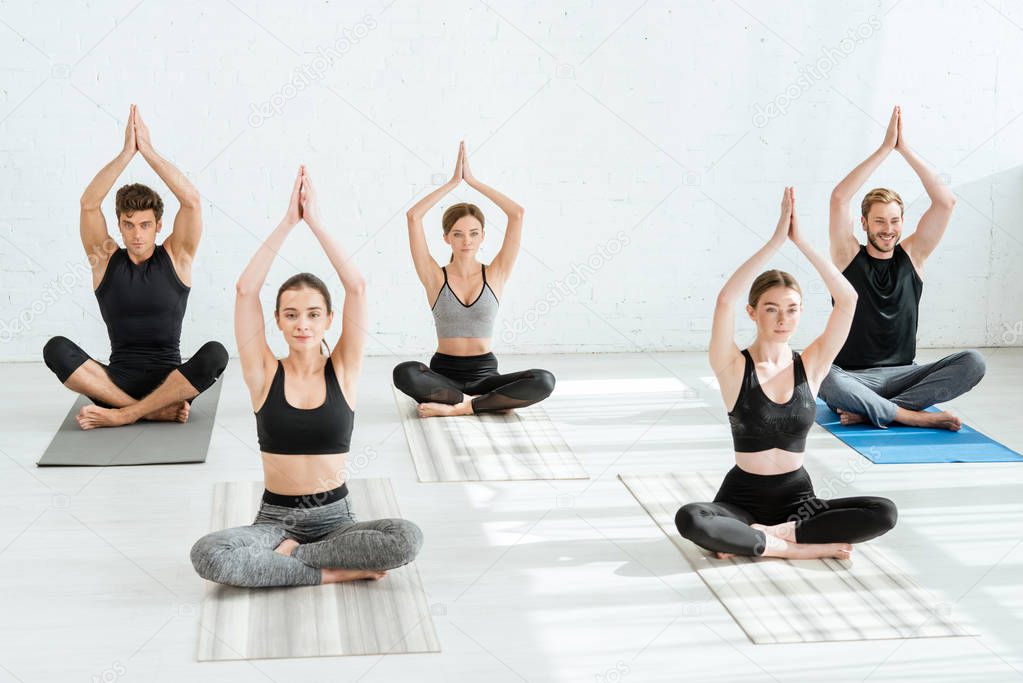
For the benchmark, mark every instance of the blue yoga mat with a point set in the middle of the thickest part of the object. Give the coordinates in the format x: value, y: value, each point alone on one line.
x: 901, y: 444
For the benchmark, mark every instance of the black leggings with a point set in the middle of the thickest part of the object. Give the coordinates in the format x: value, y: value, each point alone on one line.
x: 63, y: 357
x: 744, y: 498
x: 449, y: 377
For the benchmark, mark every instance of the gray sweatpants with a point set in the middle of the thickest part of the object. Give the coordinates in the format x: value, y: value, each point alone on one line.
x: 329, y: 536
x: 875, y: 393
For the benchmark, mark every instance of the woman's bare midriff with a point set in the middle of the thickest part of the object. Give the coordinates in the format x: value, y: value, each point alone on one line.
x: 298, y: 475
x: 773, y: 461
x: 463, y: 346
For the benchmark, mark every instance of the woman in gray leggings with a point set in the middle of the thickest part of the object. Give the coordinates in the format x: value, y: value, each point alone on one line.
x: 305, y: 532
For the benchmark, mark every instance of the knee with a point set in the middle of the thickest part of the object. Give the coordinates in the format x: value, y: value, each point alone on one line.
x: 407, y: 538
x: 887, y: 514
x: 404, y: 372
x: 829, y: 386
x: 974, y: 366
x: 206, y: 558
x: 544, y: 382
x: 685, y: 519
x: 57, y: 354
x: 212, y: 358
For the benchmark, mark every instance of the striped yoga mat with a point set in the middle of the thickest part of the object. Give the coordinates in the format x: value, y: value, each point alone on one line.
x: 357, y: 618
x: 521, y: 444
x: 798, y: 601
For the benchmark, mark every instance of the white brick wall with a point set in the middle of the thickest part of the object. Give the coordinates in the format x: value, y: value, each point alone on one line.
x: 602, y: 119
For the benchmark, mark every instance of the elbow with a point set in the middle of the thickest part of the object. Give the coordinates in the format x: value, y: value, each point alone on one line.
x: 242, y: 288
x: 948, y: 202
x: 518, y: 213
x: 411, y: 216
x: 191, y: 200
x: 88, y: 203
x: 838, y: 199
x: 725, y: 299
x: 356, y: 288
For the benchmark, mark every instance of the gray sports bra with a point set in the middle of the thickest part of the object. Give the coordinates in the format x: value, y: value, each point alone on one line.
x: 455, y: 319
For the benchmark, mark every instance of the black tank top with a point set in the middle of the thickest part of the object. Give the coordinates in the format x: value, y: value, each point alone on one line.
x: 884, y: 326
x: 758, y: 423
x: 286, y: 430
x: 143, y: 306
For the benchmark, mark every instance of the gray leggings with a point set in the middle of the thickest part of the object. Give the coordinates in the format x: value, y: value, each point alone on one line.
x: 329, y: 535
x: 876, y: 393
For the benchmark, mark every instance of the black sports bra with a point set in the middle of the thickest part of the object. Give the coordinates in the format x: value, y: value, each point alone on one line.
x: 287, y: 430
x: 759, y: 424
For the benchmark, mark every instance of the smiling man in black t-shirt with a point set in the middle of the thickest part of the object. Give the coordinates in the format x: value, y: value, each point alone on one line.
x: 874, y: 378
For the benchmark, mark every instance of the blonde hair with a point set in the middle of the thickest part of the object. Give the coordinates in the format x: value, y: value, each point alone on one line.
x: 881, y: 195
x: 769, y: 279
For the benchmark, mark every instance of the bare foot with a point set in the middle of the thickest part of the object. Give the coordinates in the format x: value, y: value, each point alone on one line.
x: 724, y: 556
x: 921, y: 418
x: 944, y: 420
x: 287, y: 546
x: 847, y: 418
x: 446, y: 409
x: 91, y: 417
x: 342, y: 575
x: 175, y: 412
x: 777, y: 547
x: 785, y: 531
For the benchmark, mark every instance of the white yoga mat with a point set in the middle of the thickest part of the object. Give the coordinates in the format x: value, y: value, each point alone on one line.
x: 353, y: 618
x: 798, y: 601
x: 518, y: 445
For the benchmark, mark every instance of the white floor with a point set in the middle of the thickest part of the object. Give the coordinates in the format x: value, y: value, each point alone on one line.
x: 536, y: 581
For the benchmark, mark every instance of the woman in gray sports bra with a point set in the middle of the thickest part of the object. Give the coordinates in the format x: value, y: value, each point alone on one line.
x: 462, y: 377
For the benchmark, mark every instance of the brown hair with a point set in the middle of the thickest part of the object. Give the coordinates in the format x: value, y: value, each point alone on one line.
x: 137, y: 197
x: 305, y: 281
x: 769, y: 279
x: 881, y: 195
x: 456, y: 211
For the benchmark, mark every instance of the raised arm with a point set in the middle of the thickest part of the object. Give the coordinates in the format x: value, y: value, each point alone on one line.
x: 819, y: 354
x: 933, y: 223
x: 184, y: 239
x: 725, y: 358
x: 844, y: 243
x: 347, y: 353
x: 96, y: 240
x: 503, y: 262
x: 257, y: 360
x: 426, y: 267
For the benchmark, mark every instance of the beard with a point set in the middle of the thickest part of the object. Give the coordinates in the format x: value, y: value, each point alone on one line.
x: 880, y: 245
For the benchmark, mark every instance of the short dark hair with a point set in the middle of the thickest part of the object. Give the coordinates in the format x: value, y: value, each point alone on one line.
x: 138, y: 197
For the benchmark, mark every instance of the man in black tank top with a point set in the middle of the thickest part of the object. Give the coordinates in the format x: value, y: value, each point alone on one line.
x: 142, y: 291
x: 874, y: 378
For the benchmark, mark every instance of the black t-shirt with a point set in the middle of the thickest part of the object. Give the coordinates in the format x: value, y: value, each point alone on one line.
x: 143, y: 306
x: 884, y: 326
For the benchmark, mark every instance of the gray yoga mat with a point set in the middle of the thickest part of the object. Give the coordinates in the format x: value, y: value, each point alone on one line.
x: 142, y: 443
x: 519, y: 445
x: 799, y: 601
x: 389, y: 616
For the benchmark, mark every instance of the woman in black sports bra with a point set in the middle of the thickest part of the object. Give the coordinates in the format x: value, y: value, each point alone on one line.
x: 766, y: 505
x: 305, y: 532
